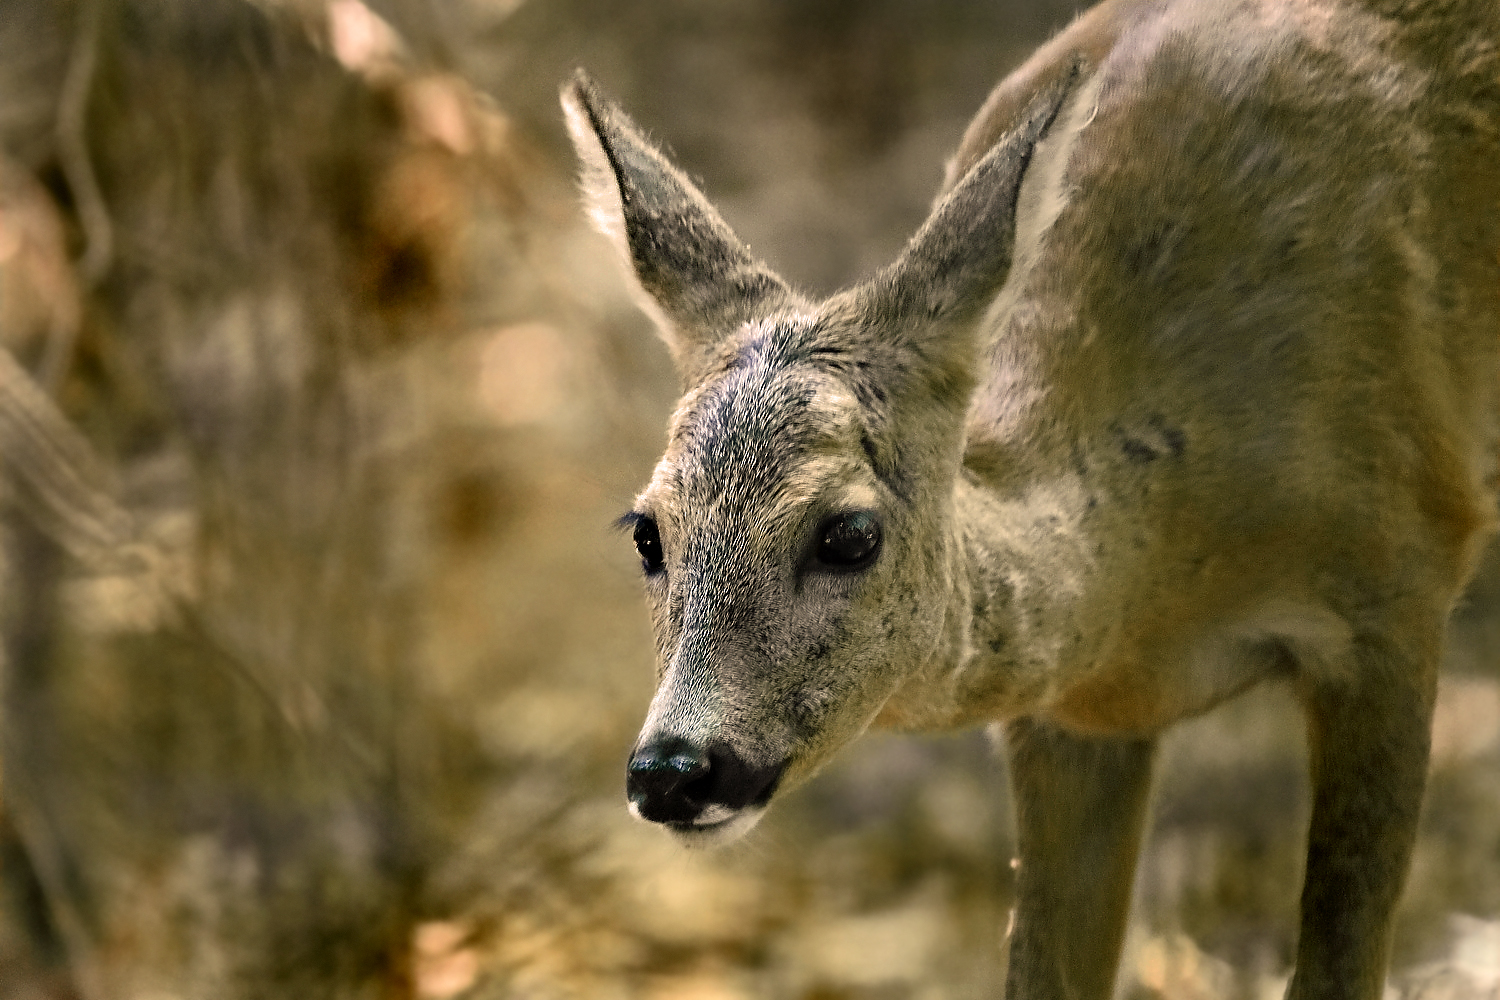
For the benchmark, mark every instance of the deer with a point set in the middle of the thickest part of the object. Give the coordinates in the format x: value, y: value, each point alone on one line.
x: 1187, y: 383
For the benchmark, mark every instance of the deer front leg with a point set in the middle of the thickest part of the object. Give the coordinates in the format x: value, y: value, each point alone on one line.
x: 1369, y: 734
x: 1080, y: 806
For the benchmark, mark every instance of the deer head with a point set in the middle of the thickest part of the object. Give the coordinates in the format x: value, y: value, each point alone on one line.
x: 797, y: 537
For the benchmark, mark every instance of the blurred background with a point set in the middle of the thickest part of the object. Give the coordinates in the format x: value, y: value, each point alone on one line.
x: 321, y: 659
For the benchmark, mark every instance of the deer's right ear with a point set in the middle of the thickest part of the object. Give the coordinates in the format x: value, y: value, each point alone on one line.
x: 699, y: 281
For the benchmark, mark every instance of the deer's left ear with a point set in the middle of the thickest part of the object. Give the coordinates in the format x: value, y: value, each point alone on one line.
x: 699, y: 281
x: 923, y: 310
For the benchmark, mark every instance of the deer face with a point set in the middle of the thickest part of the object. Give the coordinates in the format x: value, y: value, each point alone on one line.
x: 780, y: 567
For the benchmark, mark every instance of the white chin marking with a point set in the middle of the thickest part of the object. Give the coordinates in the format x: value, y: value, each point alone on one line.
x: 706, y: 832
x: 714, y: 826
x: 713, y: 814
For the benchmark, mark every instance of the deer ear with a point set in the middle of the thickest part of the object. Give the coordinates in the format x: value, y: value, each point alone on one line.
x: 698, y: 280
x: 926, y: 306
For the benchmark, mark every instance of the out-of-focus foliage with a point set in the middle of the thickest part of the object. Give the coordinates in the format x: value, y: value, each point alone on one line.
x: 320, y: 657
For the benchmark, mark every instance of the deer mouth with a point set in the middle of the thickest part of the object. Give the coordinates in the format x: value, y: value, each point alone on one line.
x: 716, y: 832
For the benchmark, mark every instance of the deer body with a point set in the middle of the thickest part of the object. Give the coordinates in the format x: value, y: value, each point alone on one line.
x: 1192, y: 379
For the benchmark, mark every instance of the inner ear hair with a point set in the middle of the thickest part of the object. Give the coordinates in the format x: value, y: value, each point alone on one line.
x: 692, y: 275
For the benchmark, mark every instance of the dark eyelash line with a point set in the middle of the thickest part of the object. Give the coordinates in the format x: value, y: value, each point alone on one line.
x: 628, y: 520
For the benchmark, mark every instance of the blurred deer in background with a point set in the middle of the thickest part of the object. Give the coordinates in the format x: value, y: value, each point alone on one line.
x: 1188, y: 382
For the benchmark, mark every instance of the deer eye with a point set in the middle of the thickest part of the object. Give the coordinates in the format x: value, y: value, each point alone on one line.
x: 648, y: 544
x: 848, y: 541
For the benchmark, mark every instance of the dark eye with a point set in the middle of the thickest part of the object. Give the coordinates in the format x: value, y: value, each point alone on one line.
x: 648, y: 544
x: 848, y: 541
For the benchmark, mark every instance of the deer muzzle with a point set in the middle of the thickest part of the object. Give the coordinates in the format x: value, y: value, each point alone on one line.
x: 697, y: 788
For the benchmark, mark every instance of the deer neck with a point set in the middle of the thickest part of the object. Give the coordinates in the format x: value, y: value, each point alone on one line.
x: 1019, y: 572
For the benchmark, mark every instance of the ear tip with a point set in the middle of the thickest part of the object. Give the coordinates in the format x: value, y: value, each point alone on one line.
x: 581, y: 95
x: 578, y: 91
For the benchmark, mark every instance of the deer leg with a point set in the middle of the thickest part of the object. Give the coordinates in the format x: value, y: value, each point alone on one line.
x: 1369, y: 734
x: 1080, y: 806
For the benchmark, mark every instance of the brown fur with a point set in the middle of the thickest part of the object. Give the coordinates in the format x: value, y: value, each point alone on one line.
x: 1232, y: 415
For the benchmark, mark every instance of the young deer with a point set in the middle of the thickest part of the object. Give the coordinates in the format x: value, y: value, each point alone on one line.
x: 1189, y: 381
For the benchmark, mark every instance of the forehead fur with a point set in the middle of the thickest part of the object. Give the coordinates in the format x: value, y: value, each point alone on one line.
x: 774, y: 425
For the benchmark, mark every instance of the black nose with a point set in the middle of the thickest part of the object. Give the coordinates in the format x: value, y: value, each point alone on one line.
x: 672, y: 780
